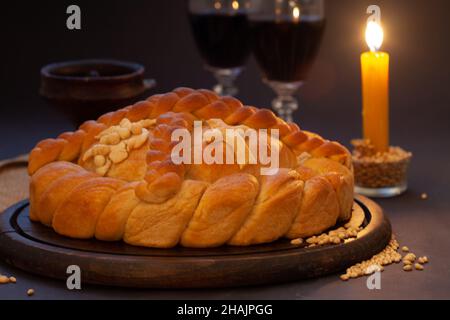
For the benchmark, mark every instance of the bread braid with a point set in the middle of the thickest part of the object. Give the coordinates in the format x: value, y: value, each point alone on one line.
x: 203, y: 104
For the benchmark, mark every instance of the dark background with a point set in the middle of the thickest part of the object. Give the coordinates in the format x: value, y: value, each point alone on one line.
x: 157, y: 34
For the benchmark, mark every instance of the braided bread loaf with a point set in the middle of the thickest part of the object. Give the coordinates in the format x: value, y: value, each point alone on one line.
x: 114, y: 179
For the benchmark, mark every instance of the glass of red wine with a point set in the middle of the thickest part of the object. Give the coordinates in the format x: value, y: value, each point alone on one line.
x: 222, y: 34
x: 286, y: 36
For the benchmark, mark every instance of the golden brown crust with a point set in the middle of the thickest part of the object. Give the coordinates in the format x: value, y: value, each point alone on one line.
x: 221, y: 211
x: 161, y: 225
x: 340, y: 177
x: 233, y: 205
x: 319, y: 209
x: 43, y: 178
x: 275, y: 208
x: 112, y: 220
x: 77, y: 215
x: 56, y: 192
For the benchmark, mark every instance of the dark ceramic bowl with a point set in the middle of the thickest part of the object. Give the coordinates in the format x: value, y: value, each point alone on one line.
x: 86, y: 89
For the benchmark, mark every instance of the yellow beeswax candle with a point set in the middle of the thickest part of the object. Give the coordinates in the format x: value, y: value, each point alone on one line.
x: 375, y: 90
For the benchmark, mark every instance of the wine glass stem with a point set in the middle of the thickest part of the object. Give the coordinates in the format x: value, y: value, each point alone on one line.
x: 225, y: 79
x: 285, y: 107
x: 285, y: 103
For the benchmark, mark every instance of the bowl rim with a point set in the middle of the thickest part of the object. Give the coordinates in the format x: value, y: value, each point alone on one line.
x: 136, y: 70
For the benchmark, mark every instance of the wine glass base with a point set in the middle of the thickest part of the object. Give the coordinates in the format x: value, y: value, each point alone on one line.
x: 285, y: 103
x: 225, y: 79
x: 221, y: 90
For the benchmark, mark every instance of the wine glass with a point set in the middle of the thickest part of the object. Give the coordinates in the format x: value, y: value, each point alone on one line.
x: 286, y: 37
x: 222, y: 34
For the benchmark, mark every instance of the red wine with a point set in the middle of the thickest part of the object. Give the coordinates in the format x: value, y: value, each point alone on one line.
x: 223, y: 40
x: 285, y: 50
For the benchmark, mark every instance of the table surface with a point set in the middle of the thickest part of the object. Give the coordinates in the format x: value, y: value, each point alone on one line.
x: 422, y: 225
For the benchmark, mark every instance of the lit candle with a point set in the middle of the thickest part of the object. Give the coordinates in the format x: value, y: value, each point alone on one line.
x: 375, y: 89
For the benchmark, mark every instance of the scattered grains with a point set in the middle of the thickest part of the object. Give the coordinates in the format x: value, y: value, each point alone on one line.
x: 407, y: 267
x: 344, y: 277
x: 336, y: 236
x: 422, y: 260
x: 410, y: 257
x: 311, y: 240
x: 30, y: 292
x: 336, y: 240
x: 297, y: 242
x: 388, y: 256
x: 342, y: 235
x: 4, y: 279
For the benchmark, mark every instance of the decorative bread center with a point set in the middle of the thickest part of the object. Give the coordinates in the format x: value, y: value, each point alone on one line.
x: 238, y: 138
x: 116, y: 143
x: 302, y: 157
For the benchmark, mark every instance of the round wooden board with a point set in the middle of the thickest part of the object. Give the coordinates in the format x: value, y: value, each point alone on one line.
x: 35, y: 248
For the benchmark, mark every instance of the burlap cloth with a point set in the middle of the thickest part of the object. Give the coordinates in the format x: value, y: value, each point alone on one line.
x: 13, y: 181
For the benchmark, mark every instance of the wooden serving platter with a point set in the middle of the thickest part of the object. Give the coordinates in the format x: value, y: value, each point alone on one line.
x: 37, y: 249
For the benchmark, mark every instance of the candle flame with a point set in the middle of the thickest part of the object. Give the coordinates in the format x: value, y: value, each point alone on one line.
x: 235, y: 5
x: 374, y: 36
x: 296, y: 13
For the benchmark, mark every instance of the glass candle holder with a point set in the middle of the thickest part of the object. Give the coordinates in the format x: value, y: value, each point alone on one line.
x: 380, y: 174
